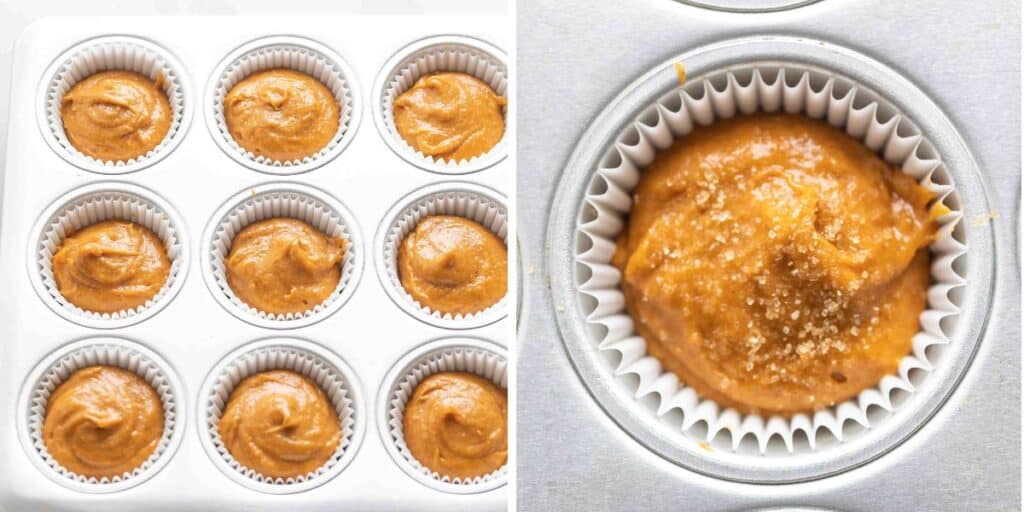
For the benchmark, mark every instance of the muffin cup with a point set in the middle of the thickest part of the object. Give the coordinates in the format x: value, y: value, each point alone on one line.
x: 299, y: 54
x: 121, y: 53
x: 793, y: 88
x: 95, y: 203
x: 432, y: 55
x: 324, y: 368
x: 315, y: 207
x: 59, y: 366
x: 469, y: 355
x: 466, y: 200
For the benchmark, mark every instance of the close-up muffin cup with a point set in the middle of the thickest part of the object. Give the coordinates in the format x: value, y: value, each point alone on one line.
x: 58, y: 368
x: 470, y: 201
x: 108, y: 54
x: 438, y: 54
x: 314, y: 207
x: 87, y: 206
x: 729, y: 92
x: 293, y: 53
x: 473, y: 356
x: 316, y: 364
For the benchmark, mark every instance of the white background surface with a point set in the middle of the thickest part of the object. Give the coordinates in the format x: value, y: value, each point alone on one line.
x: 15, y: 15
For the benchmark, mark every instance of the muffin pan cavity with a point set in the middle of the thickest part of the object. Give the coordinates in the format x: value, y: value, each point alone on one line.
x: 726, y: 80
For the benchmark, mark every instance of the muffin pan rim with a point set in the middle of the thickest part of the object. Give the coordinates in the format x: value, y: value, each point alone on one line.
x: 396, y: 371
x: 625, y: 108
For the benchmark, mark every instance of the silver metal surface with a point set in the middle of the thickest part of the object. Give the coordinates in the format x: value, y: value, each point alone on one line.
x: 571, y: 455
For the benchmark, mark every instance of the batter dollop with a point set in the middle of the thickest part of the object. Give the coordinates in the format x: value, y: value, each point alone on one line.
x: 451, y: 116
x: 279, y: 424
x: 111, y: 266
x: 456, y: 425
x: 775, y: 264
x: 281, y: 114
x: 103, y: 421
x: 284, y: 265
x: 453, y: 265
x: 115, y: 115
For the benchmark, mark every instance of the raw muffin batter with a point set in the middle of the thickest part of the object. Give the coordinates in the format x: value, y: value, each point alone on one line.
x: 455, y: 424
x: 103, y: 421
x: 450, y: 116
x: 279, y: 424
x: 281, y: 114
x: 775, y: 264
x: 284, y: 265
x: 111, y: 266
x: 453, y: 265
x: 115, y: 115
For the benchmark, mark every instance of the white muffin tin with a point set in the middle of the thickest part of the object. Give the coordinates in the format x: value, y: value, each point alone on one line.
x: 194, y: 330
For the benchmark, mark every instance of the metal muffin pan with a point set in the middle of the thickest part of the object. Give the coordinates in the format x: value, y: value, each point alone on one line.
x: 968, y: 418
x: 190, y: 330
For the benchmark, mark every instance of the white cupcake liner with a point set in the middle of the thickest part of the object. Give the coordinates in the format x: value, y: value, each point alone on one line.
x: 95, y: 203
x: 59, y: 366
x: 467, y: 355
x: 308, y: 359
x: 122, y: 53
x: 299, y: 54
x: 437, y: 54
x: 797, y: 89
x: 467, y: 200
x: 310, y: 205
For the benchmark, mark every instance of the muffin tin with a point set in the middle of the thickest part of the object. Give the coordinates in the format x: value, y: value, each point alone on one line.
x: 642, y: 452
x: 196, y: 190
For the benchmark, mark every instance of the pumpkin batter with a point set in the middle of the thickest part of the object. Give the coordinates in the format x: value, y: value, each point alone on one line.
x: 455, y: 424
x: 775, y: 264
x: 284, y: 265
x: 111, y: 266
x: 279, y: 424
x: 450, y: 116
x: 453, y: 265
x: 103, y: 421
x: 281, y: 114
x: 115, y: 115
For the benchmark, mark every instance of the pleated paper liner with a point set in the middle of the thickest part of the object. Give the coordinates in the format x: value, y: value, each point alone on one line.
x: 299, y: 54
x: 95, y: 203
x: 444, y: 355
x: 796, y: 89
x: 121, y: 53
x: 432, y: 55
x: 310, y: 205
x: 108, y: 352
x: 466, y: 200
x: 308, y: 359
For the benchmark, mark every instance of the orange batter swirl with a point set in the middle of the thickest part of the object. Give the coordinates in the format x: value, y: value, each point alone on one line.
x: 452, y: 116
x: 453, y: 265
x: 103, y: 421
x: 279, y: 424
x: 284, y: 265
x: 775, y: 264
x: 115, y: 115
x: 456, y: 425
x: 281, y: 114
x: 111, y: 266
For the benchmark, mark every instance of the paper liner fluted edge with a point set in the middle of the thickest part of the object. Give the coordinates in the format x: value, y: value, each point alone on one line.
x: 795, y: 89
x: 108, y: 355
x: 298, y: 55
x: 109, y: 202
x: 469, y: 204
x: 445, y: 54
x: 445, y: 357
x: 307, y: 362
x: 302, y: 204
x: 120, y: 53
